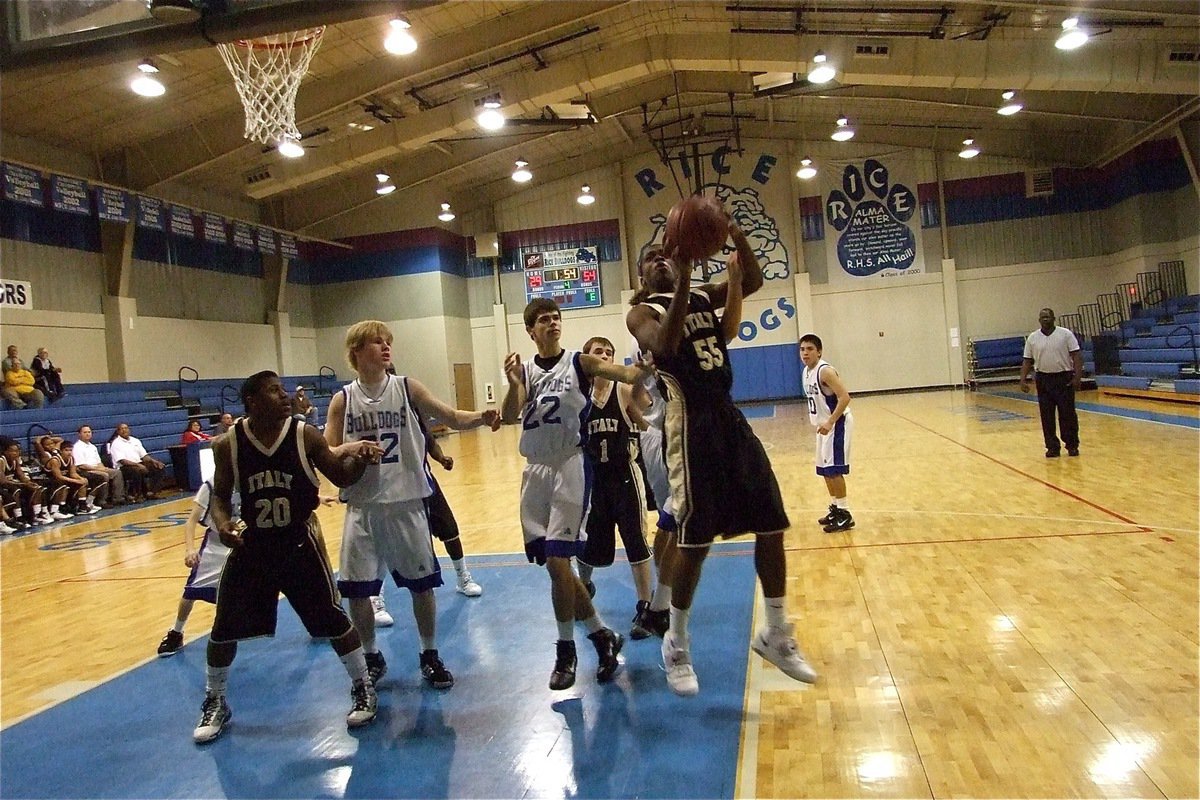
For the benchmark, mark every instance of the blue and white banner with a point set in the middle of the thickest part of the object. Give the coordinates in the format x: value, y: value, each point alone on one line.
x: 243, y: 236
x: 16, y: 294
x: 69, y: 194
x: 214, y: 228
x: 287, y: 246
x: 112, y: 205
x: 150, y: 213
x: 182, y: 223
x: 23, y: 185
x: 872, y: 224
x: 265, y: 237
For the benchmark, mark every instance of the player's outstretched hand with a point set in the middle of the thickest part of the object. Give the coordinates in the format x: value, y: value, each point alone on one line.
x: 491, y: 418
x: 231, y: 533
x: 447, y: 462
x: 512, y: 368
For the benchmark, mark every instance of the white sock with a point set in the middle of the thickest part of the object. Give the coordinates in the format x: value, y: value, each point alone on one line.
x: 54, y: 508
x: 662, y: 598
x: 679, y: 627
x: 585, y: 572
x: 179, y: 623
x: 460, y: 566
x: 215, y: 679
x: 776, y: 614
x: 428, y: 643
x: 841, y: 503
x: 566, y: 631
x: 593, y: 623
x: 355, y: 663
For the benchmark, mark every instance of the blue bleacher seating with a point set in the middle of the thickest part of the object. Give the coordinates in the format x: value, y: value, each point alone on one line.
x: 1188, y: 386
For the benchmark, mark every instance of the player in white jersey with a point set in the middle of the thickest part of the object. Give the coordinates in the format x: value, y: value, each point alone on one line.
x: 206, y: 564
x: 829, y: 413
x: 550, y: 395
x: 386, y: 525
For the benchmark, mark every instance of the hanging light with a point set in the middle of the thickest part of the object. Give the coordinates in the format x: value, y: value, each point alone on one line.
x: 1072, y: 37
x: 385, y: 185
x: 399, y: 41
x: 145, y: 84
x: 289, y: 148
x: 586, y: 198
x: 843, y: 132
x: 969, y: 149
x: 488, y: 114
x: 807, y: 171
x: 447, y: 215
x: 822, y: 71
x: 522, y: 174
x: 1011, y: 104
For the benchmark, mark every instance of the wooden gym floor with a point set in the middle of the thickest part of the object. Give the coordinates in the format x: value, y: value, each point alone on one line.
x: 998, y: 624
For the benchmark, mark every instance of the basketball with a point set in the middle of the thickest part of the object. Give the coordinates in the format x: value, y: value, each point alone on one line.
x: 697, y: 226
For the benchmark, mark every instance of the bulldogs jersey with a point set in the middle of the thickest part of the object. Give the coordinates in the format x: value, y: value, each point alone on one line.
x: 276, y: 481
x: 700, y: 366
x: 820, y: 405
x: 557, y: 402
x: 610, y: 435
x: 390, y: 419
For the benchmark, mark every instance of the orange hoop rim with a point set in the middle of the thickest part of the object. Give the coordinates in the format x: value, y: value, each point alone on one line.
x: 261, y: 43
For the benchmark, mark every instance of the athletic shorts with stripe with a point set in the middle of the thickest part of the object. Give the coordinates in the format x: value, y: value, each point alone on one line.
x: 203, y: 579
x: 617, y: 501
x: 553, y: 497
x: 380, y: 538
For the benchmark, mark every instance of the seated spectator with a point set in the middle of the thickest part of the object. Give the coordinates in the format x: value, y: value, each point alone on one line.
x: 47, y: 377
x: 18, y: 389
x: 302, y: 407
x: 59, y: 466
x: 193, y: 433
x: 143, y: 472
x: 18, y: 490
x: 90, y: 466
x: 225, y: 424
x: 7, y: 363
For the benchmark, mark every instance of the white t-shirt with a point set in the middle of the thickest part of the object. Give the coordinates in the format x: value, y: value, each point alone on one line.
x: 86, y: 454
x: 126, y: 450
x: 1052, y: 353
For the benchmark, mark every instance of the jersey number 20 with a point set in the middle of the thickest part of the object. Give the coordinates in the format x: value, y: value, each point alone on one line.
x: 275, y: 513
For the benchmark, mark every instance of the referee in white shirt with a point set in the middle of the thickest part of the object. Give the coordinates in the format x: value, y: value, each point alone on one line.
x: 1054, y: 353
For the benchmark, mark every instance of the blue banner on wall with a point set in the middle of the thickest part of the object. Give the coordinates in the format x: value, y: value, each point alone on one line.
x: 243, y: 236
x: 287, y: 246
x: 182, y: 223
x: 150, y: 213
x: 69, y: 194
x: 23, y: 185
x: 112, y: 205
x: 266, y: 241
x: 214, y: 228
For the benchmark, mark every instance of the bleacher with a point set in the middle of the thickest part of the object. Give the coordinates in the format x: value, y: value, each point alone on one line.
x: 157, y: 411
x: 994, y: 359
x: 1159, y: 352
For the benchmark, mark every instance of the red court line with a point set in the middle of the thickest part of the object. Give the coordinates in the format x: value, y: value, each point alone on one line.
x: 1027, y: 537
x: 1047, y: 484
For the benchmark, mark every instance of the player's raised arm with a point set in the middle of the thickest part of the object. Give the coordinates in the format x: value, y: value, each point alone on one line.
x: 731, y: 318
x: 752, y: 276
x: 596, y: 367
x: 459, y: 420
x: 514, y: 398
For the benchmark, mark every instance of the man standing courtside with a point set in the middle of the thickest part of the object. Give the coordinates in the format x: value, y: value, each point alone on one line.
x: 1053, y: 352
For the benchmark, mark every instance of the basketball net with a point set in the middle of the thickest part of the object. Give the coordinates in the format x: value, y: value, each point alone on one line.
x: 267, y: 73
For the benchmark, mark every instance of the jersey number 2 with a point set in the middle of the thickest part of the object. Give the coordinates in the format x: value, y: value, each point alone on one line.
x: 548, y: 416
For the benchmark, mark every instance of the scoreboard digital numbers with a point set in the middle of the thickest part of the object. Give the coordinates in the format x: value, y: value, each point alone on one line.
x: 570, y: 278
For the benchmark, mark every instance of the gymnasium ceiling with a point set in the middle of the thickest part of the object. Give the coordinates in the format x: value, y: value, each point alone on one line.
x: 933, y: 76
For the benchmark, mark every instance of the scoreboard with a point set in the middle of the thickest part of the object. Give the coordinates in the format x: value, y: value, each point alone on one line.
x: 570, y: 278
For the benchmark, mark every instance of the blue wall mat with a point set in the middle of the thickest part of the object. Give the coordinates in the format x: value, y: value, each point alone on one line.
x: 498, y: 733
x: 771, y: 372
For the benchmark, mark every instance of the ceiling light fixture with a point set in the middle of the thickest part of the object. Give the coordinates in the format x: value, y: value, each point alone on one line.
x: 399, y: 41
x: 807, y: 171
x: 1011, y: 104
x: 289, y: 148
x: 1072, y: 37
x: 843, y: 132
x: 969, y: 149
x: 145, y: 84
x: 822, y: 71
x: 488, y: 114
x: 385, y: 186
x: 522, y: 174
x: 586, y: 198
x: 447, y: 215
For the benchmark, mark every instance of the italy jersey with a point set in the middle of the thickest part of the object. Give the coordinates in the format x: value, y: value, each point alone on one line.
x: 557, y: 402
x: 390, y: 419
x: 276, y: 481
x: 700, y: 366
x: 610, y: 435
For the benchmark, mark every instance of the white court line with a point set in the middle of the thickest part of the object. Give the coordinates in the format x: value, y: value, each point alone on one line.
x: 1039, y: 517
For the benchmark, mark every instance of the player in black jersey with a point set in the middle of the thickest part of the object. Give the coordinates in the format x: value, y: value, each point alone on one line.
x: 272, y: 459
x: 618, y: 496
x: 721, y: 481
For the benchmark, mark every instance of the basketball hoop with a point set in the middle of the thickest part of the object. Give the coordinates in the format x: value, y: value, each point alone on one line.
x: 267, y: 73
